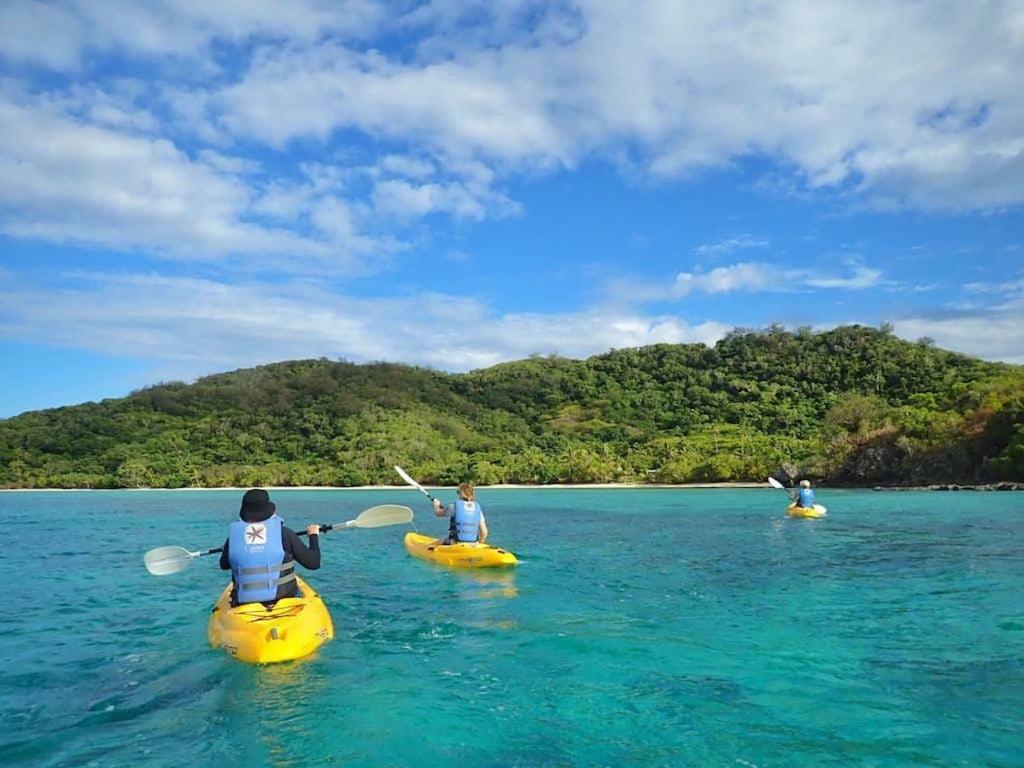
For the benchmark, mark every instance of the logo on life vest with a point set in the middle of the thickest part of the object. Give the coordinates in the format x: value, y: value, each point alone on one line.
x: 256, y: 534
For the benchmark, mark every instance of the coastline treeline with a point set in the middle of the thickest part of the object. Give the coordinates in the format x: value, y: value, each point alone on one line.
x: 853, y: 405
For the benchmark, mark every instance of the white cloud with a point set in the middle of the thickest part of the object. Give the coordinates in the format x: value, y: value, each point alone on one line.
x: 117, y: 108
x: 748, y: 276
x: 407, y: 166
x: 745, y: 277
x: 227, y: 163
x: 992, y: 333
x: 63, y: 179
x: 197, y: 326
x: 41, y: 33
x: 57, y: 35
x: 1012, y: 286
x: 862, y: 277
x: 684, y: 87
x: 405, y: 200
x: 204, y: 324
x: 478, y: 104
x: 484, y: 92
x: 730, y: 244
x: 284, y: 201
x: 98, y: 184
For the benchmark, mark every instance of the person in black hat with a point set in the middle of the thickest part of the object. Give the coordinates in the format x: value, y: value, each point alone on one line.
x: 261, y: 552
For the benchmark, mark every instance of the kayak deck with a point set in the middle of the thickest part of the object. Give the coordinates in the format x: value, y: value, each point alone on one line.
x: 461, y: 555
x: 290, y: 629
x: 816, y: 511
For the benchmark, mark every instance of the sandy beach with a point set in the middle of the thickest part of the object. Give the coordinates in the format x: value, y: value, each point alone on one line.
x: 581, y: 486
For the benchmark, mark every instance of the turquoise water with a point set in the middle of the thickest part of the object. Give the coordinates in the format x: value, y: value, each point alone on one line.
x: 644, y: 627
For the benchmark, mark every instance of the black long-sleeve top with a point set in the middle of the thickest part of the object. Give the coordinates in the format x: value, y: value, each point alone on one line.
x: 294, y: 549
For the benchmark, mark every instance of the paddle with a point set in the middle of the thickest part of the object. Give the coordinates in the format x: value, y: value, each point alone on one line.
x: 776, y: 484
x: 405, y: 476
x: 163, y: 561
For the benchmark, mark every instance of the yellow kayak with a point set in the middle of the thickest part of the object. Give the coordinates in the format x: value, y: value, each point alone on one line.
x: 294, y: 627
x: 816, y: 511
x: 461, y: 555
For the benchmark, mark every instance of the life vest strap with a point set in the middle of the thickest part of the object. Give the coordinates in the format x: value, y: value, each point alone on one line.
x: 282, y: 567
x: 286, y: 574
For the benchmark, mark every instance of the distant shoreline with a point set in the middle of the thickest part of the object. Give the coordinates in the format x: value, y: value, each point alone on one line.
x: 506, y: 486
x: 1006, y: 486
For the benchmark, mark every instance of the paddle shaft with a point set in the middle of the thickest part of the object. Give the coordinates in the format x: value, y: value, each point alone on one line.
x: 789, y: 492
x: 323, y: 529
x: 405, y: 476
x: 215, y: 550
x: 426, y: 493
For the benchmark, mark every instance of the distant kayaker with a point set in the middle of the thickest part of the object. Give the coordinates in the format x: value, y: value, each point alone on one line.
x: 261, y: 552
x: 805, y: 497
x: 467, y: 517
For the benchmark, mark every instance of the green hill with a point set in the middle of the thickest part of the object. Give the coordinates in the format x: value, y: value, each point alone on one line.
x: 851, y: 405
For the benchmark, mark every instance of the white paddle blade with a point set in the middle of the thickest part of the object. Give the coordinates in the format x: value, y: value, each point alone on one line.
x: 776, y: 484
x: 163, y: 561
x: 405, y: 476
x: 384, y: 514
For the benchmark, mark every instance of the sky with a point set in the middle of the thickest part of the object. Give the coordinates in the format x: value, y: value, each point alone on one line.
x: 190, y: 187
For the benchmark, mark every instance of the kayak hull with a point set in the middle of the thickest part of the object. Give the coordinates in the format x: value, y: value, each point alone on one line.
x: 294, y: 627
x: 816, y: 511
x: 461, y: 555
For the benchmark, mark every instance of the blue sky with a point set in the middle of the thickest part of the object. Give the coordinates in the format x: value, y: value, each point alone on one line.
x: 186, y: 189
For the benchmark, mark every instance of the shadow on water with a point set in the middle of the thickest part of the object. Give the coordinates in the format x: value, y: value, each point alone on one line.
x: 125, y: 707
x: 485, y: 584
x: 269, y: 710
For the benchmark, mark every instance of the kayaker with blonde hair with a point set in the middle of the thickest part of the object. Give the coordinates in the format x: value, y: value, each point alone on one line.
x: 805, y: 496
x: 467, y: 517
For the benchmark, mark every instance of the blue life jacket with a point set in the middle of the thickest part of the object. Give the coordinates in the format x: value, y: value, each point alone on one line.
x: 256, y: 553
x: 806, y: 498
x: 467, y: 520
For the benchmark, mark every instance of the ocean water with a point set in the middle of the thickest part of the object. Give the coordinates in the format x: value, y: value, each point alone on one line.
x: 643, y: 627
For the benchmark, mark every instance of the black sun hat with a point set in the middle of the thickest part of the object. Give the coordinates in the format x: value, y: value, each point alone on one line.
x: 256, y: 504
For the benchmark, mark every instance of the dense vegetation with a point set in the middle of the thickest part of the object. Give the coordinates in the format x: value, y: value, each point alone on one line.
x: 851, y: 405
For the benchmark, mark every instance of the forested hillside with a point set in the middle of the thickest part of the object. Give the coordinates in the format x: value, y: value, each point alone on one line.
x: 852, y: 405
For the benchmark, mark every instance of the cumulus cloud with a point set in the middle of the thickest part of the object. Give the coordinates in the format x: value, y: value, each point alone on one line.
x: 482, y: 94
x: 407, y: 166
x: 64, y: 179
x: 58, y: 35
x: 406, y: 200
x: 748, y: 276
x: 686, y: 86
x: 478, y: 104
x: 41, y: 33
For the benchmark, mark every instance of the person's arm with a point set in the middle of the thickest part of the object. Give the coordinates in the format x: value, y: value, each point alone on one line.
x: 225, y: 562
x: 307, y: 557
x: 439, y: 509
x: 482, y: 536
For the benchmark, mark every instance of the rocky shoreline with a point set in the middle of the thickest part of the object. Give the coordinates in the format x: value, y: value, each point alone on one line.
x: 953, y: 487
